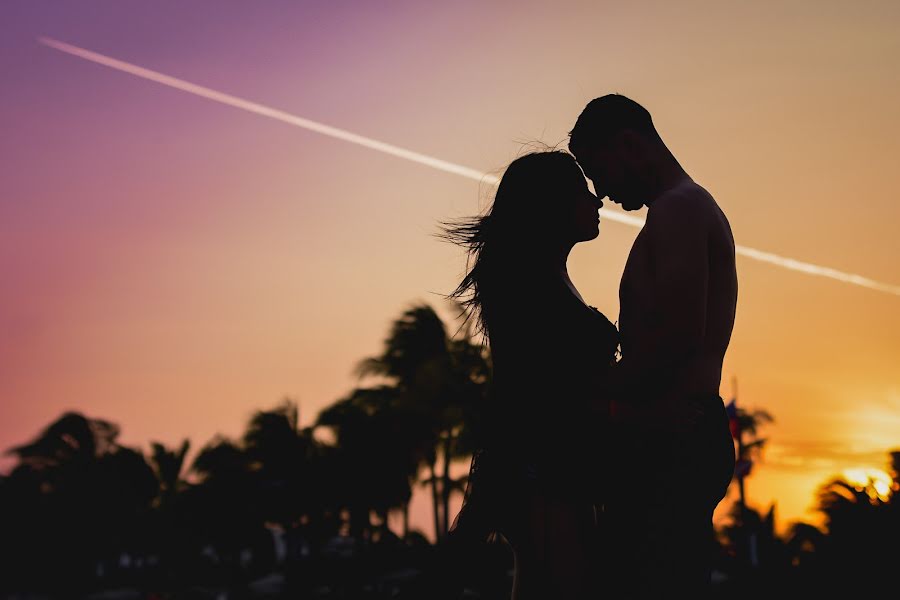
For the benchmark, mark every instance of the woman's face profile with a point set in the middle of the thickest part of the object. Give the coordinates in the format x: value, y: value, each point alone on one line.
x: 585, y: 221
x: 552, y: 197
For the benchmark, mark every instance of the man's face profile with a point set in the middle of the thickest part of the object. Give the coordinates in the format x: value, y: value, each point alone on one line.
x: 608, y: 173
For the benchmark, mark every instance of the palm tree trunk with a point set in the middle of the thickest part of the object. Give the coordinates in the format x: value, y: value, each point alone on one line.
x: 745, y: 537
x: 383, y: 517
x: 435, y: 497
x: 357, y: 529
x: 406, y: 521
x: 445, y: 485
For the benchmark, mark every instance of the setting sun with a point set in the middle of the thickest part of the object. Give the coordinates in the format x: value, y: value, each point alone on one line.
x: 876, y: 483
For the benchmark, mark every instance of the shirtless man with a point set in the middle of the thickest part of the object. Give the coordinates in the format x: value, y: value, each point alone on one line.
x: 671, y: 453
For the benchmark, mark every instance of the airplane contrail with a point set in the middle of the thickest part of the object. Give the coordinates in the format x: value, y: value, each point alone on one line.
x: 424, y: 159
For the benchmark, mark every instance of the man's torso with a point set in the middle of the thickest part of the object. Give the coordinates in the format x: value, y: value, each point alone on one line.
x: 640, y: 306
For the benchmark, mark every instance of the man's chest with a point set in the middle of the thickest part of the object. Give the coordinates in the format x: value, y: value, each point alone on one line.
x: 635, y: 288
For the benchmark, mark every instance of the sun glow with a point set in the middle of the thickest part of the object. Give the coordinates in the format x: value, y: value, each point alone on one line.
x: 876, y: 483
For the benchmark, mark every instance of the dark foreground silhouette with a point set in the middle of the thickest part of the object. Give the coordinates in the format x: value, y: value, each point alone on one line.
x: 279, y: 513
x: 537, y: 476
x: 678, y: 297
x: 203, y: 539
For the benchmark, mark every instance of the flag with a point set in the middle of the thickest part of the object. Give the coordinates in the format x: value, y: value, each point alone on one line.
x: 734, y: 423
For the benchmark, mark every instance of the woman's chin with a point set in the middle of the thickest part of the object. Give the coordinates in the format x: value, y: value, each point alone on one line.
x: 591, y: 235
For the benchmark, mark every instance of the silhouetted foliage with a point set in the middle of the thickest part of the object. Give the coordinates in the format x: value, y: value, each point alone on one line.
x: 861, y: 542
x: 852, y: 555
x: 75, y: 496
x: 80, y: 511
x: 440, y: 384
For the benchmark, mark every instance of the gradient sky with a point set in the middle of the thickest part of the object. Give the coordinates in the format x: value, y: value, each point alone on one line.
x: 172, y: 264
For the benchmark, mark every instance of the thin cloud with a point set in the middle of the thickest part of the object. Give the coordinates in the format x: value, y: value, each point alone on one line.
x: 822, y: 455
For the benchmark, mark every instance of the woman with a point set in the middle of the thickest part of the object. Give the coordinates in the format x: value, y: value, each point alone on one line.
x: 536, y: 478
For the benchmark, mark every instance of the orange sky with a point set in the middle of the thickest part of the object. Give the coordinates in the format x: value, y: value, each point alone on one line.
x: 172, y: 264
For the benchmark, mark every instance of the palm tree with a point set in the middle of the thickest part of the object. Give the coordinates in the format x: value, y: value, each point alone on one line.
x: 280, y: 456
x: 749, y: 449
x: 415, y: 357
x: 745, y: 425
x: 72, y: 438
x: 766, y: 551
x: 223, y: 507
x: 859, y: 547
x: 373, y: 467
x: 168, y: 465
x: 803, y: 541
x: 169, y: 537
x: 439, y: 385
x: 77, y: 495
x: 468, y: 382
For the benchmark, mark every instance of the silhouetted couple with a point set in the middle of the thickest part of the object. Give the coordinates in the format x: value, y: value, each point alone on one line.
x: 604, y: 451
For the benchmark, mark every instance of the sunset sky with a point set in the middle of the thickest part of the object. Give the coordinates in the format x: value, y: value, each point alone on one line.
x: 173, y: 264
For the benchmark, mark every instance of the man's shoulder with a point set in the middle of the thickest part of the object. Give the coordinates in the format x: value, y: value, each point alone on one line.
x: 686, y: 196
x: 687, y: 203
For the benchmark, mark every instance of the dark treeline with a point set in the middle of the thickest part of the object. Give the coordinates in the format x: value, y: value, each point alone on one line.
x: 302, y: 512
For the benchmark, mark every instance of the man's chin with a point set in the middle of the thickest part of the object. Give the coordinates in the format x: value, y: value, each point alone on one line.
x: 628, y: 205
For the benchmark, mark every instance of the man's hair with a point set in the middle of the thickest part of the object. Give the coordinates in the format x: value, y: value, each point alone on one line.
x: 606, y: 116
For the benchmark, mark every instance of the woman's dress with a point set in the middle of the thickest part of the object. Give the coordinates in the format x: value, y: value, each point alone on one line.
x: 544, y: 427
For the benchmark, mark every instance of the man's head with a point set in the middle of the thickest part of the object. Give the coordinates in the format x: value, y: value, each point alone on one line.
x: 619, y: 150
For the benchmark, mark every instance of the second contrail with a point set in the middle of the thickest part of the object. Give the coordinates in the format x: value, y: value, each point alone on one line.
x: 430, y: 161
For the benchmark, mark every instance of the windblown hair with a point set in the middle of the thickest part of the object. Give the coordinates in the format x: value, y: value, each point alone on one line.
x: 508, y: 246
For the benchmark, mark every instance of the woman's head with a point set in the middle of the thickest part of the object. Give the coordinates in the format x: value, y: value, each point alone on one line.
x: 543, y: 204
x: 541, y: 209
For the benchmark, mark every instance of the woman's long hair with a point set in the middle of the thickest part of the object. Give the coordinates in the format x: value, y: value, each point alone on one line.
x: 514, y: 239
